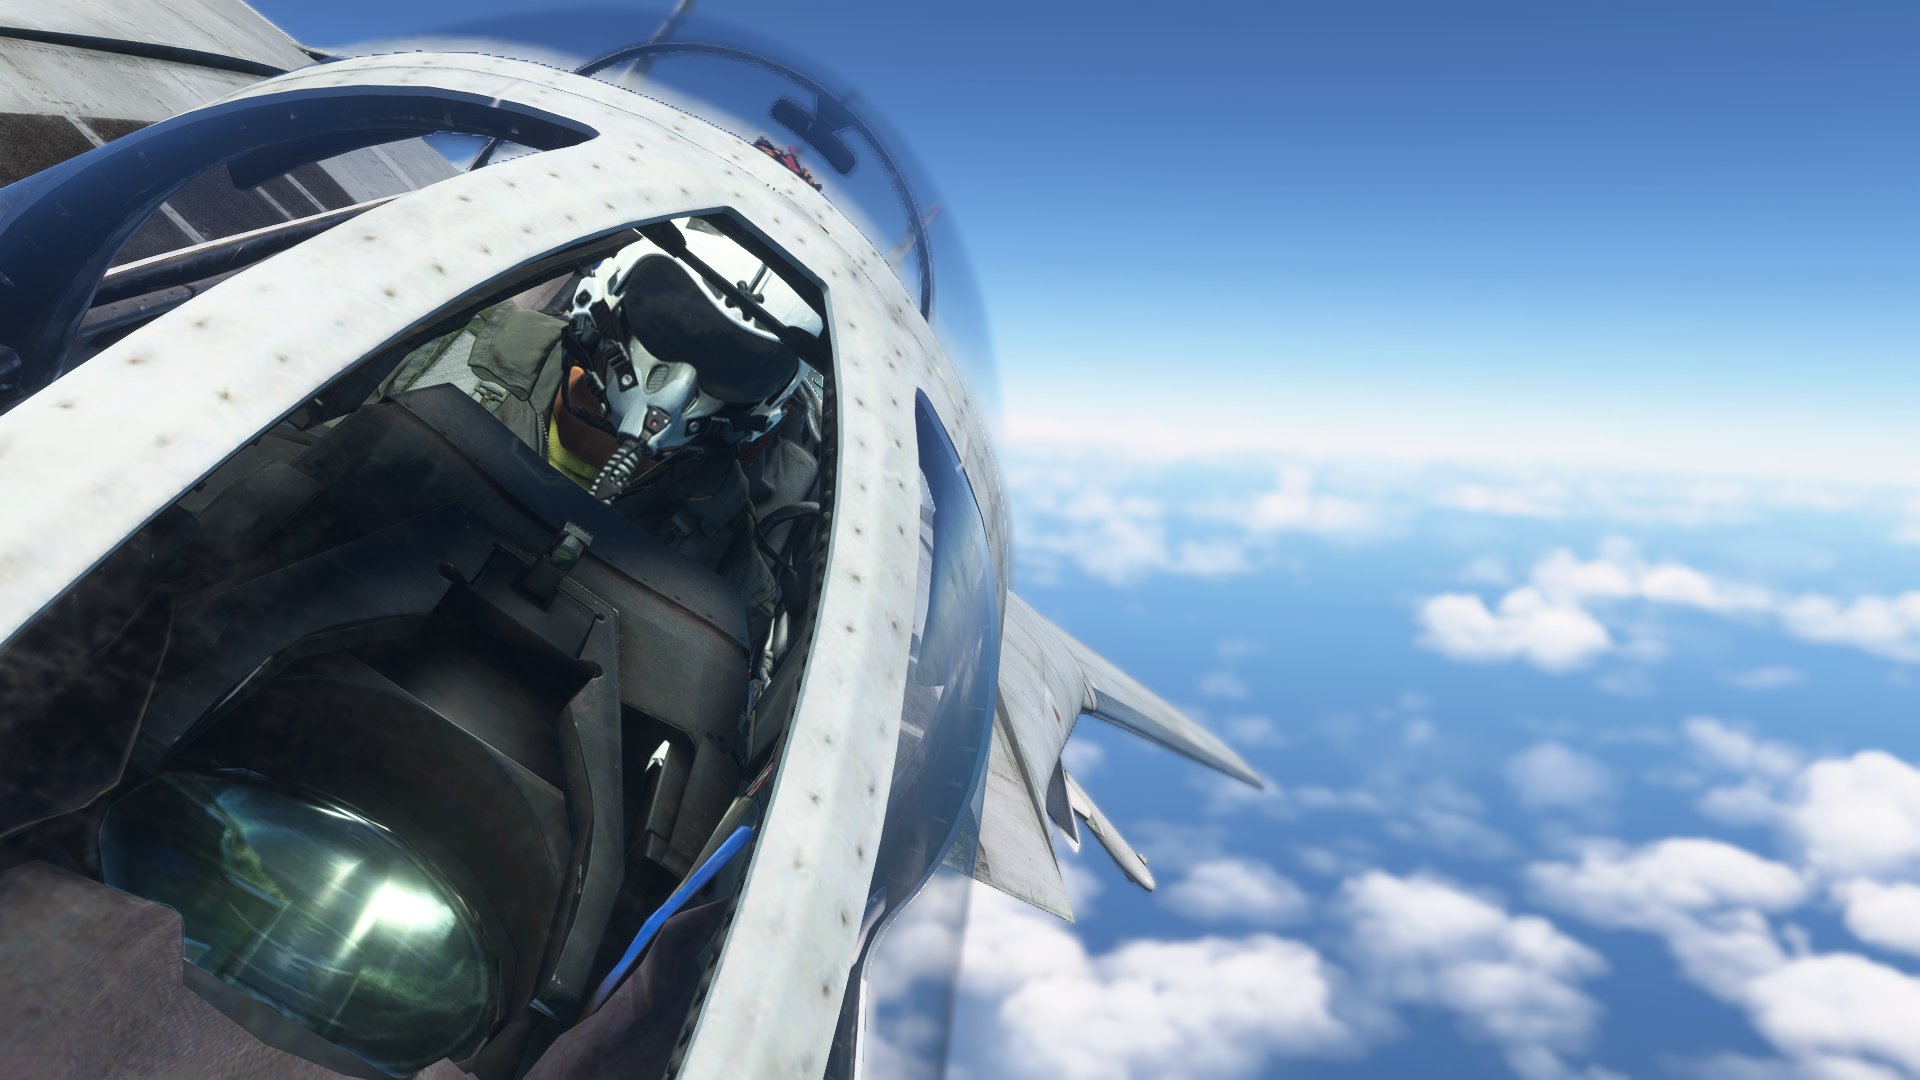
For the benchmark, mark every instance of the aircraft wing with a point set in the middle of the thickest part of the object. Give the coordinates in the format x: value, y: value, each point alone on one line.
x: 1016, y: 845
x: 1048, y: 679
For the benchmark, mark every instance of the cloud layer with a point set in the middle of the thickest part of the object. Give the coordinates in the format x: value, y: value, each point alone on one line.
x: 1852, y: 828
x: 1224, y: 1007
x: 1514, y: 981
x: 1567, y: 615
x: 1238, y: 890
x: 1206, y: 1007
x: 1120, y: 520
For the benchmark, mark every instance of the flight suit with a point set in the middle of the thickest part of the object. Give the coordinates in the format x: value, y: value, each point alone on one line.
x: 509, y: 360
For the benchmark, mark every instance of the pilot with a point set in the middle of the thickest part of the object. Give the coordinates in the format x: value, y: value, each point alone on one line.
x: 658, y: 394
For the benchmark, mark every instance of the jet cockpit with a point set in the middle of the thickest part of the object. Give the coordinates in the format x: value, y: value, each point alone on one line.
x: 545, y: 621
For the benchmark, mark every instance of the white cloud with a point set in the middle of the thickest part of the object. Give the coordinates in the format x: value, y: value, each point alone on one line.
x: 1886, y: 626
x: 1511, y: 980
x: 1208, y: 1008
x: 1554, y: 776
x: 1735, y: 750
x: 1329, y: 862
x: 1526, y: 625
x: 1854, y: 822
x: 1217, y: 558
x: 1704, y: 897
x: 1688, y: 501
x: 1238, y: 890
x: 1840, y: 1005
x: 1123, y: 521
x: 1682, y: 470
x: 1223, y: 684
x: 1741, y: 1067
x: 1671, y: 583
x: 1540, y: 500
x: 1294, y: 506
x: 1619, y: 573
x: 1886, y: 915
x: 905, y: 1047
x: 1763, y: 767
x: 1009, y: 944
x: 1752, y: 801
x: 925, y: 941
x: 1251, y: 731
x: 1834, y: 1015
x: 1674, y: 500
x: 1669, y: 500
x: 1646, y: 888
x: 1553, y: 620
x: 1226, y: 1007
x: 1083, y: 888
x: 1908, y: 530
x: 1846, y: 818
x: 1773, y: 677
x: 1082, y: 758
x: 1858, y: 816
x: 1565, y: 576
x: 1115, y: 539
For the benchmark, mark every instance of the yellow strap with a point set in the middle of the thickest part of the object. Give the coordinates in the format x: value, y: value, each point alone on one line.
x: 570, y: 466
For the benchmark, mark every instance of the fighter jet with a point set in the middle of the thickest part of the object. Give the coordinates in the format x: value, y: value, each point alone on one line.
x: 500, y: 573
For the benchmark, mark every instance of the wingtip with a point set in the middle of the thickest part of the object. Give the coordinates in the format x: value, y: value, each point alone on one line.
x: 1244, y: 773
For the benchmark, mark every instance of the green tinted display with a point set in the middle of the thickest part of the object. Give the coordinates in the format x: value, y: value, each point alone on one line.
x: 312, y: 909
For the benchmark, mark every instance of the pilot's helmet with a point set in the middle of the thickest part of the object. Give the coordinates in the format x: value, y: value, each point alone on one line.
x: 693, y: 365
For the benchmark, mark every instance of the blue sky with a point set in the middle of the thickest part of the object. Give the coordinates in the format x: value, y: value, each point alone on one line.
x: 1602, y: 233
x: 1493, y: 417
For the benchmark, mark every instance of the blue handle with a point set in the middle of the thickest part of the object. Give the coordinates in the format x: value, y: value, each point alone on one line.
x: 701, y: 875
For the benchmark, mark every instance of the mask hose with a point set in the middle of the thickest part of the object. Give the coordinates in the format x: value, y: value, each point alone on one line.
x: 617, y: 471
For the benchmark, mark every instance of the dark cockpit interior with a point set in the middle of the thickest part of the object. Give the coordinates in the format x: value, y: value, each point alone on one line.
x: 434, y: 748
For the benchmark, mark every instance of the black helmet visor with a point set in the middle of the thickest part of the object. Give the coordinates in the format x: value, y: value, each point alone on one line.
x: 674, y: 319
